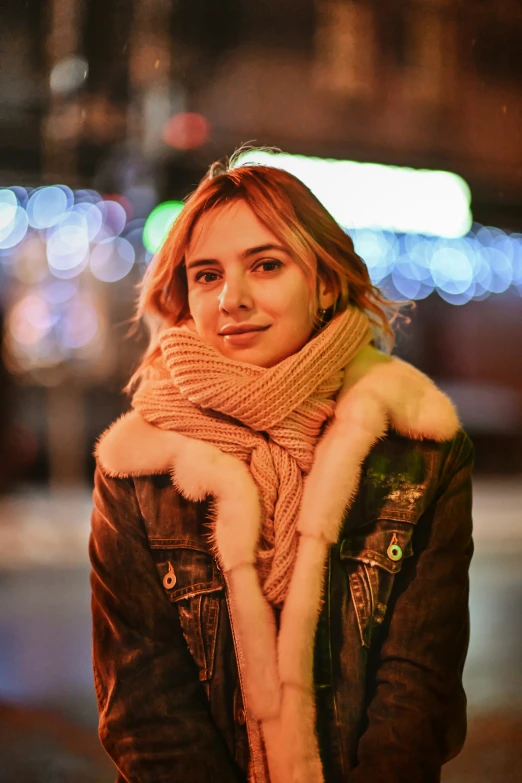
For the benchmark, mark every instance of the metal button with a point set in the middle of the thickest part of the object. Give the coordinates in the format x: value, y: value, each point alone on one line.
x: 169, y: 580
x: 394, y: 551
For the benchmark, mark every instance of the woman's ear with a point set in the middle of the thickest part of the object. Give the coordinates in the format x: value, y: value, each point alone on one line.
x: 325, y: 295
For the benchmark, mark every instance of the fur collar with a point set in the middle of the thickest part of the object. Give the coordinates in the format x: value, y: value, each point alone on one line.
x: 378, y: 392
x: 395, y: 394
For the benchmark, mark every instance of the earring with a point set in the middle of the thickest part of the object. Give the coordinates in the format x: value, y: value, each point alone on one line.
x: 322, y: 313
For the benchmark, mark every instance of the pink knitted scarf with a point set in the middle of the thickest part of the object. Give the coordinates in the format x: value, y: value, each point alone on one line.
x: 271, y: 418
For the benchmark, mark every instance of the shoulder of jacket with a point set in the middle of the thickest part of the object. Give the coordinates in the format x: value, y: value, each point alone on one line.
x: 396, y: 453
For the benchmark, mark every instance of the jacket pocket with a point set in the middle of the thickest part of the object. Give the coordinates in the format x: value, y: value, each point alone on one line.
x: 192, y: 581
x: 373, y: 556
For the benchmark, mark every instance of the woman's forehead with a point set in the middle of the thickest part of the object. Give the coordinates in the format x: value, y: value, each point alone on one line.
x: 230, y: 227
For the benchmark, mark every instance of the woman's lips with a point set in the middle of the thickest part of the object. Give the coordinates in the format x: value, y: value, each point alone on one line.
x: 243, y: 338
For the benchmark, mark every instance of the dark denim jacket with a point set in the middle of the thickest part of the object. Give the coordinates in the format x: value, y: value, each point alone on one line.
x: 390, y: 646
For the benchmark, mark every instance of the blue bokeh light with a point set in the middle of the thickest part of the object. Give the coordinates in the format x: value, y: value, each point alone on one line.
x: 114, y: 219
x: 112, y: 259
x: 21, y: 194
x: 8, y: 204
x: 15, y: 228
x: 59, y: 291
x: 501, y: 270
x: 516, y: 241
x: 451, y: 270
x: 457, y: 299
x: 86, y: 196
x: 46, y: 206
x: 379, y: 251
x: 82, y: 228
x: 92, y: 217
x: 68, y: 243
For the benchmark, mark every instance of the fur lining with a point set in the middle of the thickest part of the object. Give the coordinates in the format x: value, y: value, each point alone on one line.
x: 378, y: 391
x: 413, y: 404
x: 133, y: 447
x: 254, y: 624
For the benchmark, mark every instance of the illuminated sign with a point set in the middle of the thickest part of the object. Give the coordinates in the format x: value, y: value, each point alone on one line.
x: 371, y: 195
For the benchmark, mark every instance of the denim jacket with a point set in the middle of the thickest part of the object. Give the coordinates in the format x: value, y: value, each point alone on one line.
x: 389, y: 649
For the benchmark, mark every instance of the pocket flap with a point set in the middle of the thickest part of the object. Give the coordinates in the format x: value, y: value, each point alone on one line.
x: 185, y: 570
x: 385, y: 544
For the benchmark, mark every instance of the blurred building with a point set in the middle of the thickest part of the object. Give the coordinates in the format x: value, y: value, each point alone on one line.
x: 427, y: 83
x: 134, y: 100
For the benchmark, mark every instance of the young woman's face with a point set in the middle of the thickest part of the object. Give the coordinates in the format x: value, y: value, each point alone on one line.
x: 247, y: 296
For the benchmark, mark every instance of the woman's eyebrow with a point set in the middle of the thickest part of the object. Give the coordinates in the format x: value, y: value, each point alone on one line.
x: 251, y: 251
x: 201, y: 262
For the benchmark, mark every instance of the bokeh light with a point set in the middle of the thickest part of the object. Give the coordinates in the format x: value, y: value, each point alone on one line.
x: 8, y: 204
x: 71, y: 272
x: 68, y: 75
x: 92, y: 216
x: 451, y: 270
x: 15, y: 226
x: 378, y: 251
x: 133, y: 233
x: 457, y: 299
x: 408, y: 288
x: 186, y: 131
x: 113, y: 217
x: 516, y: 242
x: 46, y: 205
x: 78, y: 325
x: 68, y: 243
x: 158, y: 224
x: 21, y: 194
x: 30, y: 319
x: 86, y: 195
x: 112, y: 259
x: 501, y: 270
x: 142, y: 198
x: 59, y: 291
x: 52, y: 233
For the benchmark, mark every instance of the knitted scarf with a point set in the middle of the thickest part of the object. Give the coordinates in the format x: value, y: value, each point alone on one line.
x: 271, y: 418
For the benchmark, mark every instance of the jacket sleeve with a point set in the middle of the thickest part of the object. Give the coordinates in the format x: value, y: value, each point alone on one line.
x: 155, y: 723
x: 416, y: 718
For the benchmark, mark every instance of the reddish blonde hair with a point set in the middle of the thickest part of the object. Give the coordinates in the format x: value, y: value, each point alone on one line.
x: 300, y: 222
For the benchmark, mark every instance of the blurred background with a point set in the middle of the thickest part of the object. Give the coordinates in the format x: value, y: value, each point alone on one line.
x: 405, y: 118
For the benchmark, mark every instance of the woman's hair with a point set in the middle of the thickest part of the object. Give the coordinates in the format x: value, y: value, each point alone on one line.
x: 298, y: 219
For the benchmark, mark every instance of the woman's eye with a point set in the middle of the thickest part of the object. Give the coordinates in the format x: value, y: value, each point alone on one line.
x: 269, y: 266
x: 206, y: 277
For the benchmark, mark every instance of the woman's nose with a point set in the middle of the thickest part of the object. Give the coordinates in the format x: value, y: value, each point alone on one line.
x: 235, y: 295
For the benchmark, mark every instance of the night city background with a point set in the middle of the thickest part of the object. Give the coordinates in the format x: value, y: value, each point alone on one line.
x: 405, y: 118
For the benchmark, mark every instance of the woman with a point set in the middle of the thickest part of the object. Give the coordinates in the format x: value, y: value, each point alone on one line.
x: 281, y: 535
